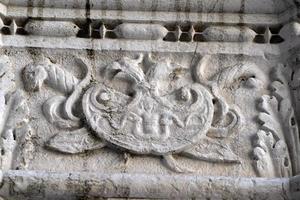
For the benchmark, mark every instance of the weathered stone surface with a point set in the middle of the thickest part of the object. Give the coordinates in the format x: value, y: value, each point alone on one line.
x: 51, y: 28
x: 149, y: 99
x: 92, y: 185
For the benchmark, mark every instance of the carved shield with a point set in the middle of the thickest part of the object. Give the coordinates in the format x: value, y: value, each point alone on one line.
x: 146, y: 123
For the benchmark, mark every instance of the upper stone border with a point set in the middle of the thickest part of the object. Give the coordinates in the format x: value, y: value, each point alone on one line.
x: 204, y: 6
x: 178, y: 25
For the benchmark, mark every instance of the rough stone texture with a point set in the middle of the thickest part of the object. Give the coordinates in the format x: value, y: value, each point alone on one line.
x: 149, y: 99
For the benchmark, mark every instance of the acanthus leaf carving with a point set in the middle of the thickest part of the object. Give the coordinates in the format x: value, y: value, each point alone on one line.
x: 276, y: 146
x: 213, y: 151
x: 172, y: 164
x: 270, y: 116
x: 208, y: 150
x: 34, y: 75
x: 280, y: 89
x: 78, y: 141
x: 271, y: 156
x: 241, y: 75
x: 271, y: 153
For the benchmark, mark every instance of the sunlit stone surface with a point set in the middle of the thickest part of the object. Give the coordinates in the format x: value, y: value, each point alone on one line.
x: 149, y: 99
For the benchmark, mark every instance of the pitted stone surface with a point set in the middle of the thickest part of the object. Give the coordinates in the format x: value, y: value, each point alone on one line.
x: 149, y: 99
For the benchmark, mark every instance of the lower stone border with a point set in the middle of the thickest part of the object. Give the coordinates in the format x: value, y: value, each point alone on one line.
x: 78, y: 185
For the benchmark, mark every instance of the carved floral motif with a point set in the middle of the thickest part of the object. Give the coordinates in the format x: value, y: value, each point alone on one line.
x: 147, y: 107
x: 144, y: 121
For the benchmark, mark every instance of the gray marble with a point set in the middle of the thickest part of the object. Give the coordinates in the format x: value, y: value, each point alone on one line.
x: 149, y: 99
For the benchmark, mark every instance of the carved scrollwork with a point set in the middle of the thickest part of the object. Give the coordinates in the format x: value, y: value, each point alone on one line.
x: 145, y: 107
x: 149, y: 126
x: 34, y: 75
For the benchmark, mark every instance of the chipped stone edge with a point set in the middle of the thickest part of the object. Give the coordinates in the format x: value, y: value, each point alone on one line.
x: 110, y: 12
x: 136, y: 45
x: 49, y: 185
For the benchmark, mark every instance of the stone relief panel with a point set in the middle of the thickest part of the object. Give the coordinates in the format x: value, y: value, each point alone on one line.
x: 177, y: 113
x: 149, y: 99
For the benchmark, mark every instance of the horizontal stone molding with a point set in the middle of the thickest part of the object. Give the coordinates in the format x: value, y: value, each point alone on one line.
x: 136, y: 45
x: 230, y: 6
x: 50, y: 185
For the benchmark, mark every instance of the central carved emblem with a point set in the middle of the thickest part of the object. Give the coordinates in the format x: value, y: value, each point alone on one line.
x: 141, y: 106
x: 146, y: 119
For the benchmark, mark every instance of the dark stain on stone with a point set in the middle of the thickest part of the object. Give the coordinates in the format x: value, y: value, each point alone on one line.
x: 86, y: 189
x: 241, y: 57
x: 119, y: 7
x: 104, y: 7
x: 154, y: 5
x: 177, y: 6
x: 35, y: 53
x: 187, y: 6
x: 221, y: 23
x: 29, y: 8
x: 187, y: 9
x: 91, y: 56
x: 221, y: 11
x: 242, y: 8
x: 91, y: 53
x: 124, y: 191
x: 143, y: 5
x: 87, y: 9
x: 40, y: 8
x: 212, y: 7
x: 85, y: 31
x: 297, y: 3
x: 200, y: 7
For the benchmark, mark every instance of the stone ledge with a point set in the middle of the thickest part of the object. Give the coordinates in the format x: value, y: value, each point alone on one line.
x: 230, y: 6
x: 139, y: 45
x: 48, y: 185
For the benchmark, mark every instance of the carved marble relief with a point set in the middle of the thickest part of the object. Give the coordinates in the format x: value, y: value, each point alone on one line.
x: 237, y: 113
x: 277, y: 130
x: 149, y: 99
x: 157, y: 107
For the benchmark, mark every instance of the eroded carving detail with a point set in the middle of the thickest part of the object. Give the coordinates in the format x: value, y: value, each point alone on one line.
x: 56, y: 77
x: 143, y: 106
x: 144, y: 125
x: 74, y: 142
x: 276, y: 146
x: 16, y: 134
